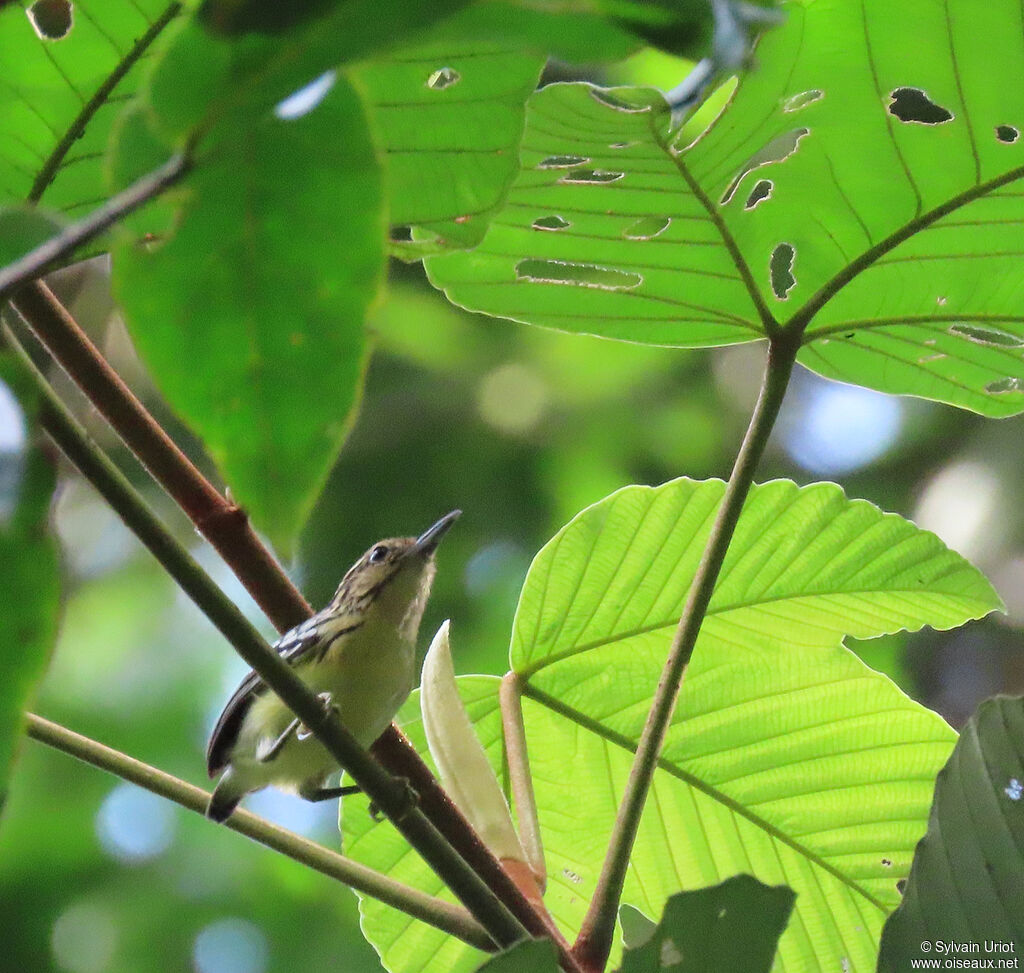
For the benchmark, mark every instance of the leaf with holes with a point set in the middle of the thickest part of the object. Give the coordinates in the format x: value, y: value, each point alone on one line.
x: 867, y: 195
x: 449, y: 115
x: 59, y: 98
x: 250, y: 316
x: 29, y: 608
x: 967, y: 880
x: 787, y: 759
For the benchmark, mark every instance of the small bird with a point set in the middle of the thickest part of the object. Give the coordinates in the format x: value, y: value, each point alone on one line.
x: 357, y: 655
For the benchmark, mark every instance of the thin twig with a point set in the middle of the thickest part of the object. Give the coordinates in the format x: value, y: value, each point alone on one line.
x: 386, y: 791
x: 443, y: 915
x: 595, y: 939
x: 57, y: 248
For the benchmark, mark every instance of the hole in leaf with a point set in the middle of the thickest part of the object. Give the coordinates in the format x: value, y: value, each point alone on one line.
x: 579, y: 275
x: 1007, y: 134
x: 901, y: 886
x: 647, y: 227
x: 590, y: 176
x: 802, y: 100
x: 938, y: 356
x: 573, y: 877
x: 762, y: 190
x: 621, y: 145
x: 51, y: 19
x: 443, y: 78
x: 887, y: 862
x: 1014, y: 790
x: 987, y: 336
x: 913, y: 105
x: 622, y: 99
x: 941, y: 301
x: 781, y: 267
x: 562, y: 161
x: 551, y: 223
x: 778, y: 149
x: 1001, y: 387
x: 401, y: 234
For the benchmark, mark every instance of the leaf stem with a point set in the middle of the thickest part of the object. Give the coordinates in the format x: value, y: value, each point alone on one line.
x: 443, y: 915
x: 510, y: 696
x: 594, y: 941
x: 388, y: 792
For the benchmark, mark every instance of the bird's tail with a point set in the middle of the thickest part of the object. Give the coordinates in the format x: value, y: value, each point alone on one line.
x: 225, y: 797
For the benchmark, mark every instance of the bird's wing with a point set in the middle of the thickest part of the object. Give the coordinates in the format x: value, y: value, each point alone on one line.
x: 292, y: 646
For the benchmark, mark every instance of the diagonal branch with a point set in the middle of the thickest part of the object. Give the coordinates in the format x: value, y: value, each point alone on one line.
x: 251, y: 562
x: 595, y: 939
x: 64, y: 244
x: 443, y: 915
x: 388, y: 792
x: 220, y: 521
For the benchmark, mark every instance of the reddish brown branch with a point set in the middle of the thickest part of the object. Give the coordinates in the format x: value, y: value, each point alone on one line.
x: 226, y: 526
x: 220, y: 521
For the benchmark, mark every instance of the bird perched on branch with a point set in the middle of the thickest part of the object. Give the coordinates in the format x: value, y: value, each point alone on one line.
x: 357, y: 655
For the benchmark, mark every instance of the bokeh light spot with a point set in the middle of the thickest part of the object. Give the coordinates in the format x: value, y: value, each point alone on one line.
x: 512, y: 398
x: 230, y: 946
x: 960, y: 504
x: 84, y: 938
x: 134, y: 825
x: 833, y: 428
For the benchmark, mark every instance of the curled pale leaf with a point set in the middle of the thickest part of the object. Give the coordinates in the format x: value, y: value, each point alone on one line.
x: 461, y: 762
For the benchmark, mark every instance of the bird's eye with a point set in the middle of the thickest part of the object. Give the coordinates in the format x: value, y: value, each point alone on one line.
x: 378, y: 554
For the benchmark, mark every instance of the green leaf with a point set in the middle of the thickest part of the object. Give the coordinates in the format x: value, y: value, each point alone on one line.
x: 528, y: 956
x: 966, y: 885
x: 59, y: 99
x: 867, y: 193
x: 806, y: 566
x: 22, y: 229
x: 203, y: 78
x: 449, y: 116
x: 251, y: 316
x: 787, y: 758
x: 29, y: 609
x: 733, y: 926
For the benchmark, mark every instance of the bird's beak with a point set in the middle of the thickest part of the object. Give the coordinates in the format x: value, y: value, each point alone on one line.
x: 427, y: 542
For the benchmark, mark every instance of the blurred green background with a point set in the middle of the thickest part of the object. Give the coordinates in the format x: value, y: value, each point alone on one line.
x: 519, y: 427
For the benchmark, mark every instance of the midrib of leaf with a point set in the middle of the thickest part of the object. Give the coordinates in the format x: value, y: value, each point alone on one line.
x: 53, y: 162
x: 768, y: 320
x: 722, y: 612
x: 803, y: 317
x: 617, y: 739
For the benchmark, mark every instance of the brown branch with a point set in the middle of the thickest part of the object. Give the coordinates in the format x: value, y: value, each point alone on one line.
x: 227, y: 528
x: 220, y: 521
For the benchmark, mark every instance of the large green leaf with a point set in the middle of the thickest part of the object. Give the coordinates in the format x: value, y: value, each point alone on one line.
x: 866, y: 190
x: 251, y: 315
x: 59, y: 99
x: 449, y: 116
x: 787, y: 758
x: 28, y: 610
x: 966, y: 885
